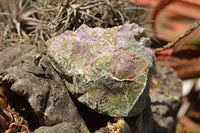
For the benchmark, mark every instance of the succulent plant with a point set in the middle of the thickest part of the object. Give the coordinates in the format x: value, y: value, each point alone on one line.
x: 97, y: 13
x: 41, y: 20
x: 19, y: 17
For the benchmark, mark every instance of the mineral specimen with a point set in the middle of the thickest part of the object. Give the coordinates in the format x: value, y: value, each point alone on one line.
x: 106, y: 69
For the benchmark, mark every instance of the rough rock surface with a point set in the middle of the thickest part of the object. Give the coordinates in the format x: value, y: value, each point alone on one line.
x: 107, y: 69
x: 165, y: 99
x: 36, y: 91
x: 159, y: 115
x: 55, y: 112
x: 64, y: 127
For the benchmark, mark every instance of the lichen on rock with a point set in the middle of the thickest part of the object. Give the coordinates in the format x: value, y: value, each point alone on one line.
x: 106, y: 69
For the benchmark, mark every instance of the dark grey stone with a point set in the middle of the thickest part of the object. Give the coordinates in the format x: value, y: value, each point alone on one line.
x: 165, y: 101
x: 26, y: 73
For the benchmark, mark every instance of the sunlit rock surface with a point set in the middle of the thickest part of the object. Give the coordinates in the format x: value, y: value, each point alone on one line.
x: 106, y: 69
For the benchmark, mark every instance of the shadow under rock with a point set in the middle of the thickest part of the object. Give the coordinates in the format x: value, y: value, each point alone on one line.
x: 21, y: 105
x: 93, y: 120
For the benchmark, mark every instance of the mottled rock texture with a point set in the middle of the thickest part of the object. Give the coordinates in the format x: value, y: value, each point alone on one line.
x: 107, y: 69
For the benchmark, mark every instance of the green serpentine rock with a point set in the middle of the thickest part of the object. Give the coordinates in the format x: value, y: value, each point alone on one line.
x: 106, y: 69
